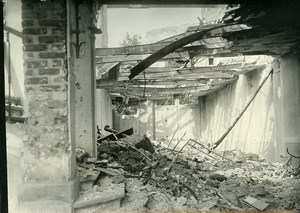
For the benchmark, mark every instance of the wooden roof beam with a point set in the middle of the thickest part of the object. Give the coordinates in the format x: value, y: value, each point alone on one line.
x: 125, y: 59
x: 180, y: 43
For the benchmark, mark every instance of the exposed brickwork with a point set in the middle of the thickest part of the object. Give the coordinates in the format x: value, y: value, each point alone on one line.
x: 44, y: 48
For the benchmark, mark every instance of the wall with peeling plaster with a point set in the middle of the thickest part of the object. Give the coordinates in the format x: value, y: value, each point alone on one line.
x: 260, y: 128
x: 104, y: 110
x: 167, y: 119
x: 47, y: 150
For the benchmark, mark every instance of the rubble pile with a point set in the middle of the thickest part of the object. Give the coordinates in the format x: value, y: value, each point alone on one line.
x: 157, y: 178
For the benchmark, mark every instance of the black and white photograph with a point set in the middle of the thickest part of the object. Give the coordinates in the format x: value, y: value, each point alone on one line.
x: 150, y: 107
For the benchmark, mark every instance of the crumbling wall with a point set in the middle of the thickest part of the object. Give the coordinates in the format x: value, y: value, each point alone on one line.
x: 255, y: 131
x: 47, y: 154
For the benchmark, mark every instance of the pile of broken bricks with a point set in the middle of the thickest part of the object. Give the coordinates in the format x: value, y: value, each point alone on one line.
x: 158, y: 178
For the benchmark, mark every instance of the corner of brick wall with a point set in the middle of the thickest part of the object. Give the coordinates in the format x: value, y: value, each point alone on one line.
x: 44, y: 53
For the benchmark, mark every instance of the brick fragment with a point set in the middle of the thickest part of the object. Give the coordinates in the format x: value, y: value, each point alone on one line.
x: 51, y: 88
x: 58, y: 31
x: 35, y: 47
x: 27, y: 23
x: 49, y: 71
x: 34, y: 14
x: 34, y: 31
x: 51, y: 23
x: 29, y: 72
x: 36, y: 64
x: 27, y: 39
x: 52, y: 55
x: 36, y: 80
x: 51, y: 39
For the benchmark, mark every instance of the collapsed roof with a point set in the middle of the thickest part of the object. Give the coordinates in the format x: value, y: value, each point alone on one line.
x: 241, y: 44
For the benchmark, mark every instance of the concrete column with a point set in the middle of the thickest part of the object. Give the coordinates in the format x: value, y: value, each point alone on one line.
x: 289, y: 100
x: 85, y: 81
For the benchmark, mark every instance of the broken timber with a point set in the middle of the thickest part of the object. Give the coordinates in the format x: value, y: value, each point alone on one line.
x: 172, y: 47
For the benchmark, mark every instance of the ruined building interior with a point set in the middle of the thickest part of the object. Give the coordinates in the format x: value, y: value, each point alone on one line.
x: 196, y: 115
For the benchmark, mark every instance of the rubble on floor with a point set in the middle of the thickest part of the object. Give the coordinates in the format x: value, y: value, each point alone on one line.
x: 168, y: 180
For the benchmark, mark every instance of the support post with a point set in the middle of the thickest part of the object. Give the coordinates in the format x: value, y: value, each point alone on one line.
x: 153, y: 120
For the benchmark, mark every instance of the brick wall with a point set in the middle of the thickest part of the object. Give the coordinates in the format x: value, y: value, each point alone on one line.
x: 44, y: 51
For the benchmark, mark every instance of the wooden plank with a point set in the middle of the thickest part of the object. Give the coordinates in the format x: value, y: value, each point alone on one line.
x: 203, y: 69
x: 215, y: 42
x: 155, y: 92
x: 124, y: 59
x: 131, y: 50
x: 175, y: 82
x: 192, y: 76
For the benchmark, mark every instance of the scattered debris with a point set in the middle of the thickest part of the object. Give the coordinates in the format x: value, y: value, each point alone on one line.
x: 158, y: 178
x: 260, y: 205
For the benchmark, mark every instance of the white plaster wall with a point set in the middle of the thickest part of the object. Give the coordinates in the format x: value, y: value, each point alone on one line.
x: 104, y: 109
x: 167, y: 118
x: 255, y: 131
x: 13, y: 20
